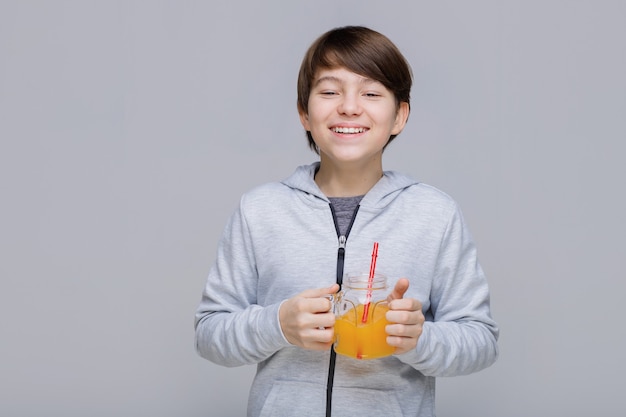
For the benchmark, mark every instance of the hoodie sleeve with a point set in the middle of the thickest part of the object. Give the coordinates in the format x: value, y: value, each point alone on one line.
x: 231, y: 329
x: 459, y: 336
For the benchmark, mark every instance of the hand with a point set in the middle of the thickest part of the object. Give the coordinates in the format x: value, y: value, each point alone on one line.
x: 307, y: 320
x: 407, y: 318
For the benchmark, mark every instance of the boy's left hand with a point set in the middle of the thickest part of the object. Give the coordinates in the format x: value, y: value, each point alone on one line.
x: 406, y: 317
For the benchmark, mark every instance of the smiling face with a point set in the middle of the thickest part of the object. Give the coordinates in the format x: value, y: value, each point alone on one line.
x: 351, y: 117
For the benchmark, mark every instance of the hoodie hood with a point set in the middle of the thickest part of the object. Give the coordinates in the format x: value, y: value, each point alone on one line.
x: 380, y: 195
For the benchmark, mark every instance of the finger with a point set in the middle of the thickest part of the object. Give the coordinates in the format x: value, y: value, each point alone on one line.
x: 319, y: 345
x: 402, y: 344
x: 409, y: 304
x: 402, y: 317
x: 318, y: 338
x: 323, y: 336
x: 319, y: 292
x: 403, y: 330
x: 399, y: 289
x: 325, y: 320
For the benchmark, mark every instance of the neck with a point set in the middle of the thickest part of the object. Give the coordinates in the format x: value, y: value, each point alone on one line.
x: 347, y: 181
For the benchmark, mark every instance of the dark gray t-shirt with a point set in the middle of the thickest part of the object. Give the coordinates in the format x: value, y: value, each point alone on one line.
x: 344, y: 209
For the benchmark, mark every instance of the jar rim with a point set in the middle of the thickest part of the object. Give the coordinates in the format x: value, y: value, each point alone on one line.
x: 361, y: 281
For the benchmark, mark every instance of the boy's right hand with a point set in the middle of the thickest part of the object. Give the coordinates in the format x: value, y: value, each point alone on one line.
x: 307, y: 320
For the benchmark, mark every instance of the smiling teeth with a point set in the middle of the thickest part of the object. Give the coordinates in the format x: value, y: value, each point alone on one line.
x: 348, y: 130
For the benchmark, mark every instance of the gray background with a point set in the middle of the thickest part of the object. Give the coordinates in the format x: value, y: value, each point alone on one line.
x: 130, y: 129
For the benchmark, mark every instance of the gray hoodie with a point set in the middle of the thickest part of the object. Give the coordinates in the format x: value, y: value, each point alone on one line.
x: 282, y: 240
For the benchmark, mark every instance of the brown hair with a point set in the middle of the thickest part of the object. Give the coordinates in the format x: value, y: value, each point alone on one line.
x: 362, y: 51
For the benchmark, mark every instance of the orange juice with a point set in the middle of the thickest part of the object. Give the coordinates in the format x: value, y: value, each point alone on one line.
x: 363, y: 340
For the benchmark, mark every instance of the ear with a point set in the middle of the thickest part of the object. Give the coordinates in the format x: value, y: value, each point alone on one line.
x: 304, y: 119
x: 402, y: 115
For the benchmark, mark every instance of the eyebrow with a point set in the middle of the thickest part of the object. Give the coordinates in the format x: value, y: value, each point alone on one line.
x: 331, y: 78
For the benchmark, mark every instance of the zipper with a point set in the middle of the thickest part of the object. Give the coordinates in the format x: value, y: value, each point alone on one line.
x: 342, y: 240
x: 341, y: 256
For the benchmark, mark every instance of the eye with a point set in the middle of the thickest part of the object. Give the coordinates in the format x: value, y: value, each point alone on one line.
x: 372, y: 94
x: 328, y: 93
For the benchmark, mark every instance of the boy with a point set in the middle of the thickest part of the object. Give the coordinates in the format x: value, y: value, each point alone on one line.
x: 287, y: 246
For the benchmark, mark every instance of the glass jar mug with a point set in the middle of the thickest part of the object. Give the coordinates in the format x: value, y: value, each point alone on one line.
x: 360, y: 309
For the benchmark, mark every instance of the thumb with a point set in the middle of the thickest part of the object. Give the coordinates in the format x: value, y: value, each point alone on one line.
x: 399, y: 289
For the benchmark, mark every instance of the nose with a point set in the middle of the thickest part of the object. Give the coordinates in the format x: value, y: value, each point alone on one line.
x: 349, y: 105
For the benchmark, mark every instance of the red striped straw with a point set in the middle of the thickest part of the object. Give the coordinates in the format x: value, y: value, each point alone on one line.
x: 366, y: 307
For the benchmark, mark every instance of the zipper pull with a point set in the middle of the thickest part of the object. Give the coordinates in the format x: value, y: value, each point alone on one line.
x: 342, y: 242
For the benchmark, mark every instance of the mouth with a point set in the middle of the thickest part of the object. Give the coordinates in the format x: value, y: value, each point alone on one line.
x: 348, y: 130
